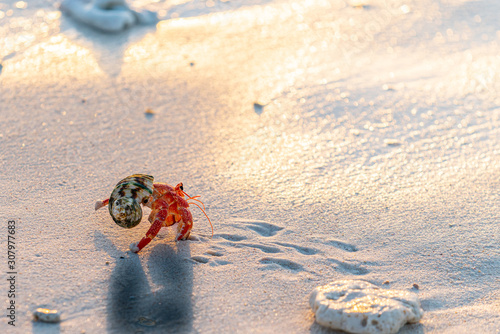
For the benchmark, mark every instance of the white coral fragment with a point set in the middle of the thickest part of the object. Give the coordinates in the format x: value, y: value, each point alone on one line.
x: 107, y: 15
x: 360, y: 307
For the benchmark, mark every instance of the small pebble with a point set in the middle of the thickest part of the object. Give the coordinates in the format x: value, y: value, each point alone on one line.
x: 387, y: 87
x: 149, y: 112
x: 415, y: 286
x: 354, y: 132
x: 258, y: 107
x: 358, y: 3
x: 392, y: 142
x: 386, y: 282
x: 46, y: 315
x: 122, y: 257
x: 107, y: 262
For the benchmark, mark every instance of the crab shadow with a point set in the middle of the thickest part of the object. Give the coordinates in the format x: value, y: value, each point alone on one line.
x: 165, y: 306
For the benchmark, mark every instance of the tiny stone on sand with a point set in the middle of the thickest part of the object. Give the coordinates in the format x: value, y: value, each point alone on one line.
x: 46, y: 315
x: 258, y: 107
x: 392, y: 142
x: 360, y: 307
x: 358, y: 3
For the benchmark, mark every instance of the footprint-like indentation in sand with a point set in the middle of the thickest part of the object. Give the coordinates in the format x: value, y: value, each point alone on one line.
x: 214, y: 253
x: 217, y: 263
x: 342, y: 245
x: 300, y: 249
x: 200, y: 259
x: 211, y: 262
x: 353, y: 268
x: 263, y: 228
x: 284, y: 263
x: 230, y: 237
x: 264, y: 248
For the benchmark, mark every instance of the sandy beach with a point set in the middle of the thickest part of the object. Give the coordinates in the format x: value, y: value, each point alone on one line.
x: 328, y: 140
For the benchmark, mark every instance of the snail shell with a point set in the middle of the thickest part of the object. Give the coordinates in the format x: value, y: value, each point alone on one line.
x: 126, y: 199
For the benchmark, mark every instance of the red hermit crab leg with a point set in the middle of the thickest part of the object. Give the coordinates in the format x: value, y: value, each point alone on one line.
x: 185, y: 225
x: 160, y: 219
x: 101, y: 204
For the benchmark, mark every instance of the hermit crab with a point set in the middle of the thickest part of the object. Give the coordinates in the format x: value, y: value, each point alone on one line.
x: 169, y: 205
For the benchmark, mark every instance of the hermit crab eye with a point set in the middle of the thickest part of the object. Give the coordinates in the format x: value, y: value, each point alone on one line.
x: 182, y: 187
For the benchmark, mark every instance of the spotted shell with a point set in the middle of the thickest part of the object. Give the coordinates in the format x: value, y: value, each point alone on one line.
x: 126, y: 199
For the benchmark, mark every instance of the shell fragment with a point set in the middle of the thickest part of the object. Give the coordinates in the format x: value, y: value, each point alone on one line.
x: 360, y: 307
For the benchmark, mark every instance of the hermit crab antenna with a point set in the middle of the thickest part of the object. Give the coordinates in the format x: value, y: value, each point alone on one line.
x: 205, y: 216
x: 194, y: 198
x: 197, y: 200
